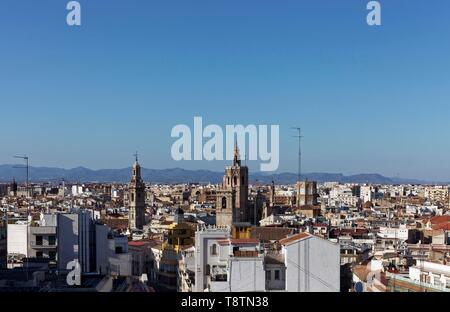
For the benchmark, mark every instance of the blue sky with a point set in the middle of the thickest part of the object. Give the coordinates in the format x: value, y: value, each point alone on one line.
x: 369, y: 99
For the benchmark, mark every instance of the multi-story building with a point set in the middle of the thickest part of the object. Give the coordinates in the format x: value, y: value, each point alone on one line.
x: 425, y: 276
x: 312, y: 264
x: 307, y: 193
x: 438, y: 194
x: 226, y: 263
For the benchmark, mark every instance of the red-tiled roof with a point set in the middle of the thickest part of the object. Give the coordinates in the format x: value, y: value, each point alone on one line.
x: 442, y: 226
x: 440, y: 219
x: 294, y: 238
x: 136, y: 243
x: 271, y: 233
x: 250, y: 241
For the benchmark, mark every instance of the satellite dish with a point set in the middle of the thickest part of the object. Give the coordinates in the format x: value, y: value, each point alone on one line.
x: 359, y: 287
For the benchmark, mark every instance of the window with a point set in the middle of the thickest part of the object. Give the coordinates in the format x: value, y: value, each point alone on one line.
x: 52, y: 240
x: 214, y: 250
x: 277, y: 275
x: 132, y: 196
x: 224, y: 202
x: 235, y: 180
x: 38, y: 240
x: 268, y: 275
x: 39, y: 254
x: 52, y: 255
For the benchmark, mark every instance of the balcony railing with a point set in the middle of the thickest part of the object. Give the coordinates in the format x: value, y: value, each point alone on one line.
x: 41, y: 245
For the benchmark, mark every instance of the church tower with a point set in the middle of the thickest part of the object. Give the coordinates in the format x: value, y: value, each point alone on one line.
x: 232, y: 199
x: 136, y: 212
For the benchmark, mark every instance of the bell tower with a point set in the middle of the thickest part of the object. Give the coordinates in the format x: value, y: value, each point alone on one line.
x: 136, y: 211
x: 232, y: 199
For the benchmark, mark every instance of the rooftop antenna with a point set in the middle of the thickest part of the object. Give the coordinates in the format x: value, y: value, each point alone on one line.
x: 25, y: 158
x: 299, y: 136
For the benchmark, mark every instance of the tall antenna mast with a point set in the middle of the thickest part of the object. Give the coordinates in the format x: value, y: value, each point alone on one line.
x: 299, y: 136
x: 27, y: 171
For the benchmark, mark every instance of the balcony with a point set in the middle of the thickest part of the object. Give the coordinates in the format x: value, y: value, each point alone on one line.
x: 219, y: 274
x: 41, y: 245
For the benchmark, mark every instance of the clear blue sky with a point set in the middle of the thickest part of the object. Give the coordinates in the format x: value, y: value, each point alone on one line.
x: 369, y: 99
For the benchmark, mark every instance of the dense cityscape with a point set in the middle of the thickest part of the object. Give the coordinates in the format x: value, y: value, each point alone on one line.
x: 235, y: 236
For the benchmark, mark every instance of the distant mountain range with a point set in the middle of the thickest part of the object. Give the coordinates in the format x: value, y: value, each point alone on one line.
x: 177, y: 175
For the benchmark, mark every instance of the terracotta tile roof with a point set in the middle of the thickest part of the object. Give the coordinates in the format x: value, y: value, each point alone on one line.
x: 136, y: 244
x: 442, y: 226
x: 294, y: 238
x: 271, y: 233
x: 440, y: 219
x: 149, y: 243
x: 250, y: 241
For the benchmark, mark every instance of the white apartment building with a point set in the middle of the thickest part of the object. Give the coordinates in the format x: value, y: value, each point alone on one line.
x: 366, y: 193
x: 312, y: 264
x: 437, y: 194
x: 306, y: 263
x: 435, y: 274
x: 400, y: 233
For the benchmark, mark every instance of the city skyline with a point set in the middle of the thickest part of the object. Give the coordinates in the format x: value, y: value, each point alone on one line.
x: 368, y: 100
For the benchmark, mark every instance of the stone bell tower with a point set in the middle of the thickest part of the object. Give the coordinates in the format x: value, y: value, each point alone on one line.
x: 136, y: 212
x: 232, y: 199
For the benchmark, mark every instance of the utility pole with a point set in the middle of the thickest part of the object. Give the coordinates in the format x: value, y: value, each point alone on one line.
x: 299, y: 136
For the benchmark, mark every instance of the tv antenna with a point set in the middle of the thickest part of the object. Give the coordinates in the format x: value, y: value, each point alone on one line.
x: 299, y: 136
x: 26, y: 167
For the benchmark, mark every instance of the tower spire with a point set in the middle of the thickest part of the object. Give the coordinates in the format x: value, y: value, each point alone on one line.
x: 136, y: 156
x: 237, y: 157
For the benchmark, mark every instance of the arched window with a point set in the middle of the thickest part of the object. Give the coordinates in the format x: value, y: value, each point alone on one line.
x: 235, y: 180
x: 224, y: 202
x: 228, y: 180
